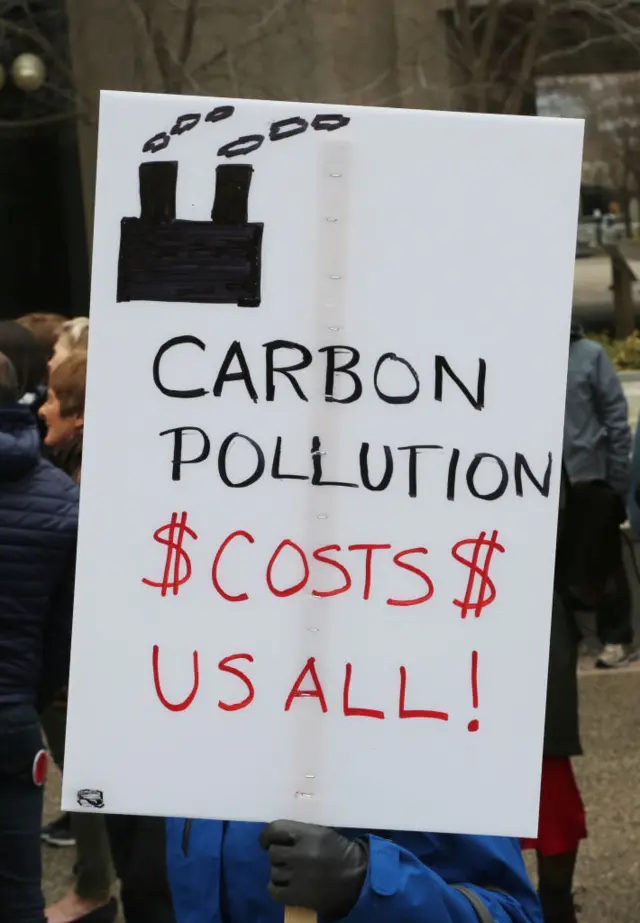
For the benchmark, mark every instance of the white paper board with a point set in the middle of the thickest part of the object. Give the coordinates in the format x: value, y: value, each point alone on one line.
x: 438, y: 246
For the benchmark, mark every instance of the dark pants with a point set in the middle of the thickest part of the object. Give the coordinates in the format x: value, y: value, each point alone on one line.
x: 94, y: 875
x: 613, y: 614
x: 590, y: 568
x: 555, y: 887
x: 138, y: 850
x: 21, y: 899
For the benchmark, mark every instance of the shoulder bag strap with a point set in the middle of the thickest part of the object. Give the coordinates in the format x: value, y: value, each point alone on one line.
x: 477, y: 903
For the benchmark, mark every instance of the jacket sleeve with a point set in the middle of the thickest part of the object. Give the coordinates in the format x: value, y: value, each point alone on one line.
x: 57, y: 635
x: 634, y: 491
x: 612, y: 409
x: 400, y: 887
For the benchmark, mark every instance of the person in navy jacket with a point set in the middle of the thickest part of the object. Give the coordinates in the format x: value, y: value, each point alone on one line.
x: 227, y: 872
x: 38, y: 531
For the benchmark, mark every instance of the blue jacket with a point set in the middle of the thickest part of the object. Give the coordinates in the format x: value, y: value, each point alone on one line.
x: 597, y: 437
x: 38, y: 531
x: 407, y: 882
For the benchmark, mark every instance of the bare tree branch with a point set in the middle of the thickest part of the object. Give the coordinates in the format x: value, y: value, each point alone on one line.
x: 233, y: 74
x: 367, y: 88
x: 255, y: 34
x: 463, y: 22
x: 497, y: 46
x: 393, y: 97
x: 501, y: 45
x: 156, y: 41
x: 188, y: 31
x: 171, y: 67
x: 490, y: 31
x: 38, y: 122
x: 586, y: 44
x: 541, y: 18
x: 519, y: 37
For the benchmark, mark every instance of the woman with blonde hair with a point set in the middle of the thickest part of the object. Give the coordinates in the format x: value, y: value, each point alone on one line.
x: 91, y: 900
x: 63, y: 413
x: 73, y: 337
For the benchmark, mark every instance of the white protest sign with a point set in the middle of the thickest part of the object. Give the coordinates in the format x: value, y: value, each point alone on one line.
x: 322, y: 459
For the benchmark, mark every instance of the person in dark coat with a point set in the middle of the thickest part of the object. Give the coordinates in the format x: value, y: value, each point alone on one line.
x: 90, y: 901
x: 29, y: 359
x: 45, y: 327
x: 136, y: 844
x: 562, y: 823
x: 597, y: 445
x: 27, y: 356
x: 38, y: 533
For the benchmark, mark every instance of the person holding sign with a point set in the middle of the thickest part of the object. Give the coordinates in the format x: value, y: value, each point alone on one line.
x: 225, y: 872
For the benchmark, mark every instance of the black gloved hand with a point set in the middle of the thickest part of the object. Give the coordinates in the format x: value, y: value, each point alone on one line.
x: 314, y: 867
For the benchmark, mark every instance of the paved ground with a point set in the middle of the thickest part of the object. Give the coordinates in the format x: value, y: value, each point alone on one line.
x: 57, y: 862
x: 609, y: 867
x: 608, y: 879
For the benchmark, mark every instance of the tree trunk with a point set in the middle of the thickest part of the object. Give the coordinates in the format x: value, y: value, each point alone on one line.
x: 356, y: 52
x: 624, y: 200
x: 623, y: 304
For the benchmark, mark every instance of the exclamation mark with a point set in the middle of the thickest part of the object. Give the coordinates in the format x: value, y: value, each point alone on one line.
x: 474, y: 725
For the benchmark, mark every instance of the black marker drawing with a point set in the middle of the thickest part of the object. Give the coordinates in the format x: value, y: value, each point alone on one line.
x: 247, y: 144
x: 287, y: 128
x: 157, y: 143
x: 219, y: 113
x: 163, y: 258
x: 185, y: 123
x: 330, y: 122
x: 90, y: 798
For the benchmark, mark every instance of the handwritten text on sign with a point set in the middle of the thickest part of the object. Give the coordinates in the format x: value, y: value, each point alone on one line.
x: 177, y: 571
x: 286, y: 359
x: 297, y: 357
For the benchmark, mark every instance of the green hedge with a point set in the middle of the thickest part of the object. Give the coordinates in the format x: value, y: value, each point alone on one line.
x: 625, y: 354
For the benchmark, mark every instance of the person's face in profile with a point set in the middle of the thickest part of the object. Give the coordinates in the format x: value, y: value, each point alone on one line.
x: 59, y: 428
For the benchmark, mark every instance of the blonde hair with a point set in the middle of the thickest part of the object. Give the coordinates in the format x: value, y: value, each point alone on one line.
x: 75, y: 333
x: 68, y: 382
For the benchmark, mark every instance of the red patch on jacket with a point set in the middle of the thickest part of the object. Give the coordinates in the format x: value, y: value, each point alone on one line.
x: 40, y: 768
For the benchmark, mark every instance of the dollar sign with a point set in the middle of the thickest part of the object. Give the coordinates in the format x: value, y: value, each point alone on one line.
x: 174, y: 575
x: 486, y: 584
